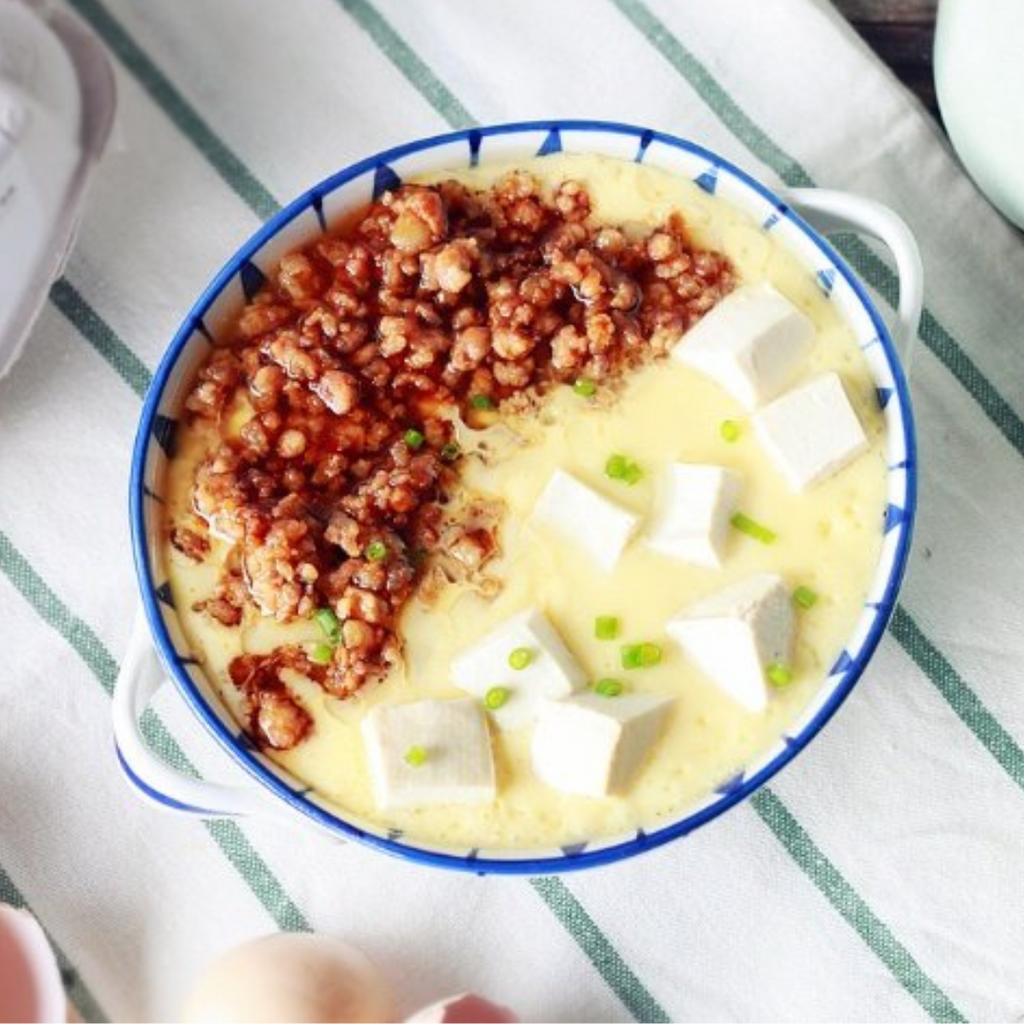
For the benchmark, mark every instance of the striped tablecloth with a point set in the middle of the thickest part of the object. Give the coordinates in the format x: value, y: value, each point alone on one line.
x: 880, y: 877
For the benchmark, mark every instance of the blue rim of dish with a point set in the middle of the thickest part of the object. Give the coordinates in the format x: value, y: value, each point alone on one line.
x: 527, y: 866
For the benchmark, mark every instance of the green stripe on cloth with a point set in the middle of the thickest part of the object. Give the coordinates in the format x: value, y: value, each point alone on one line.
x: 177, y: 108
x: 228, y: 836
x: 84, y: 1001
x: 834, y: 887
x: 98, y: 333
x: 961, y: 698
x: 408, y: 62
x: 599, y: 951
x: 939, y: 340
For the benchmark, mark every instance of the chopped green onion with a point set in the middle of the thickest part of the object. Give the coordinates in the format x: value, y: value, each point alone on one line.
x: 376, y: 551
x: 630, y: 655
x: 633, y: 474
x: 805, y: 597
x: 640, y: 655
x: 650, y: 654
x: 329, y: 623
x: 414, y: 439
x: 619, y: 467
x: 608, y: 687
x: 415, y: 756
x: 322, y: 654
x: 450, y: 452
x: 752, y: 528
x: 496, y: 697
x: 615, y: 467
x: 730, y: 431
x: 584, y: 388
x: 520, y: 658
x: 606, y: 627
x: 778, y: 674
x: 481, y: 402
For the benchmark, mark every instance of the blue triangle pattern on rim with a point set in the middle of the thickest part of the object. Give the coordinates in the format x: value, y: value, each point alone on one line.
x: 640, y: 837
x: 551, y: 144
x: 165, y: 432
x: 894, y: 516
x: 245, y: 741
x: 163, y: 592
x: 198, y: 327
x: 903, y: 464
x: 790, y: 741
x: 843, y: 664
x: 730, y: 786
x: 384, y: 180
x: 883, y: 394
x: 474, y: 146
x: 251, y: 278
x: 708, y: 180
x: 394, y: 834
x: 641, y: 151
x: 318, y: 209
x: 473, y: 854
x: 574, y: 849
x: 770, y: 221
x: 826, y: 280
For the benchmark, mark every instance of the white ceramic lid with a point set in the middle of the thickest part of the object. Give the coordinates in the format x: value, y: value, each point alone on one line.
x: 57, y: 102
x: 979, y: 78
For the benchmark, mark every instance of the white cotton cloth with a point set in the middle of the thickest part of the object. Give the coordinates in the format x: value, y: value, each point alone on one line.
x: 919, y: 812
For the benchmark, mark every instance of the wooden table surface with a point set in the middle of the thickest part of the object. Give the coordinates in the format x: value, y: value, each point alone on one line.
x: 901, y: 32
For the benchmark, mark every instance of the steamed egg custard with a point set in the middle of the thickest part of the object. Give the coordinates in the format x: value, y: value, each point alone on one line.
x: 640, y: 567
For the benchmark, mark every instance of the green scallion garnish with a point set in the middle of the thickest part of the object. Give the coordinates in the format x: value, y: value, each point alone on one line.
x: 481, y: 402
x: 415, y: 756
x: 606, y: 627
x: 520, y: 658
x: 804, y: 596
x: 584, y: 388
x: 451, y: 451
x: 619, y: 467
x: 376, y: 551
x: 329, y: 623
x: 414, y: 439
x: 778, y: 674
x: 496, y: 697
x: 650, y: 654
x: 640, y: 655
x: 321, y: 654
x: 752, y: 528
x: 608, y: 688
x: 730, y: 431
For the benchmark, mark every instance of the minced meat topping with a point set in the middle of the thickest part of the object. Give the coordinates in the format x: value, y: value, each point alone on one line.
x: 357, y: 360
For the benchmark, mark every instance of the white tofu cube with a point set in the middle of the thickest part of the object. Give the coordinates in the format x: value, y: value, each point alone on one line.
x: 451, y: 736
x: 552, y: 671
x: 583, y: 516
x: 594, y: 745
x: 811, y: 432
x: 736, y: 633
x: 752, y: 343
x: 691, y: 517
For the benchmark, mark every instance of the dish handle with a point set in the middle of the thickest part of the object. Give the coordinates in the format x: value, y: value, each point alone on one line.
x: 832, y: 212
x: 138, y: 680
